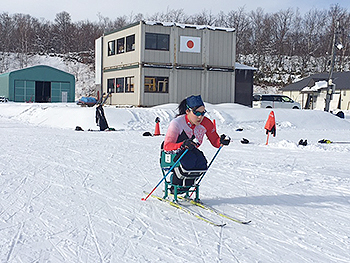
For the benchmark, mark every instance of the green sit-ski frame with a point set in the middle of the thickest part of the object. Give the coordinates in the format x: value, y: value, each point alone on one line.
x: 166, y: 162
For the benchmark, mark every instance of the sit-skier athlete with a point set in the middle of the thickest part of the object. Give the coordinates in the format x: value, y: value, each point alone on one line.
x: 187, y: 130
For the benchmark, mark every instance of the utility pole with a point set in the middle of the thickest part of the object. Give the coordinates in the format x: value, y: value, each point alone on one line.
x: 330, y: 84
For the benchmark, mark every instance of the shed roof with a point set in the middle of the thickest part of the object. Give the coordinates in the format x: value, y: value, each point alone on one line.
x: 341, y: 79
x: 37, y: 67
x: 244, y: 67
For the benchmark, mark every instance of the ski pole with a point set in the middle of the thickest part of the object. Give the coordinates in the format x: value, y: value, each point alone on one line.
x: 212, y: 160
x: 171, y: 168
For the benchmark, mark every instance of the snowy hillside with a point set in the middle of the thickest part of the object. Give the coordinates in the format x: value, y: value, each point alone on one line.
x: 69, y: 196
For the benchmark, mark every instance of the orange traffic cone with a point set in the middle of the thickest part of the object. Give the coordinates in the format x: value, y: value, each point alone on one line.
x: 270, y: 126
x: 157, y: 129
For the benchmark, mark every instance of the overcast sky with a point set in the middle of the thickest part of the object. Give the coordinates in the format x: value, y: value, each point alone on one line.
x: 89, y: 9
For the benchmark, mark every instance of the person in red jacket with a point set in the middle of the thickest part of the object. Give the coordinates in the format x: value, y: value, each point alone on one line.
x: 187, y: 131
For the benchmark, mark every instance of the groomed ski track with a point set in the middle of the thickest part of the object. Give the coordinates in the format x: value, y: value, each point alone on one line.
x: 186, y: 208
x: 71, y: 196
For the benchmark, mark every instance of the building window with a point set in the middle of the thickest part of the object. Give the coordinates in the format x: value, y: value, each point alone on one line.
x: 111, y: 48
x: 130, y: 43
x: 156, y: 84
x: 120, y: 85
x: 129, y: 84
x: 150, y: 84
x: 157, y: 41
x: 110, y: 85
x: 120, y: 45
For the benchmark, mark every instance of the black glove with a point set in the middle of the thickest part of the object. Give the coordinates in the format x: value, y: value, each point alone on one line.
x: 188, y: 144
x: 224, y: 140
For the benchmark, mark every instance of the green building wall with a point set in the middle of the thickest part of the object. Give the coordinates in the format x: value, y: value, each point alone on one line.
x: 4, y: 85
x: 19, y: 85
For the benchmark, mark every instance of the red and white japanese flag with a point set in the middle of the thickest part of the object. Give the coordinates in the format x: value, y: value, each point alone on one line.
x: 190, y: 44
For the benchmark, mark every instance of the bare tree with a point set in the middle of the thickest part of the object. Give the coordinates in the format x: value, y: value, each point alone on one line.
x: 63, y: 30
x: 108, y: 25
x: 339, y: 21
x: 24, y: 37
x: 344, y: 40
x: 240, y: 21
x: 86, y: 33
x: 171, y: 15
x: 314, y: 27
x: 203, y: 18
x: 282, y: 22
x: 43, y: 43
x: 6, y: 30
x: 177, y: 15
x: 136, y: 18
x: 261, y: 38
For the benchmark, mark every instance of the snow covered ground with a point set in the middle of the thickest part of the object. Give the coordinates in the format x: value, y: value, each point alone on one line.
x: 69, y: 196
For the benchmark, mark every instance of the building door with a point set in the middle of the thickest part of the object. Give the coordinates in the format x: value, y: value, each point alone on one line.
x: 42, y: 91
x: 64, y: 96
x: 244, y: 87
x: 24, y: 90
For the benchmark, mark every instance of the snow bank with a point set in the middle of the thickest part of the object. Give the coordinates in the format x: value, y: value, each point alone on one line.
x: 227, y: 116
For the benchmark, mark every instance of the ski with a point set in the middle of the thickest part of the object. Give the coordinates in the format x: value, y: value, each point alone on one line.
x: 213, y: 210
x: 329, y: 142
x: 188, y: 211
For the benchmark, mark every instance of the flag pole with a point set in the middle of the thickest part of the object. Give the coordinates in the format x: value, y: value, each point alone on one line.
x: 267, y: 139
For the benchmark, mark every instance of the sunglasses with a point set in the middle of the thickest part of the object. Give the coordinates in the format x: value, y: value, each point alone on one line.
x: 198, y: 113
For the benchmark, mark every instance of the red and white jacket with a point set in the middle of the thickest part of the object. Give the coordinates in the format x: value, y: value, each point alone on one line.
x: 181, y: 124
